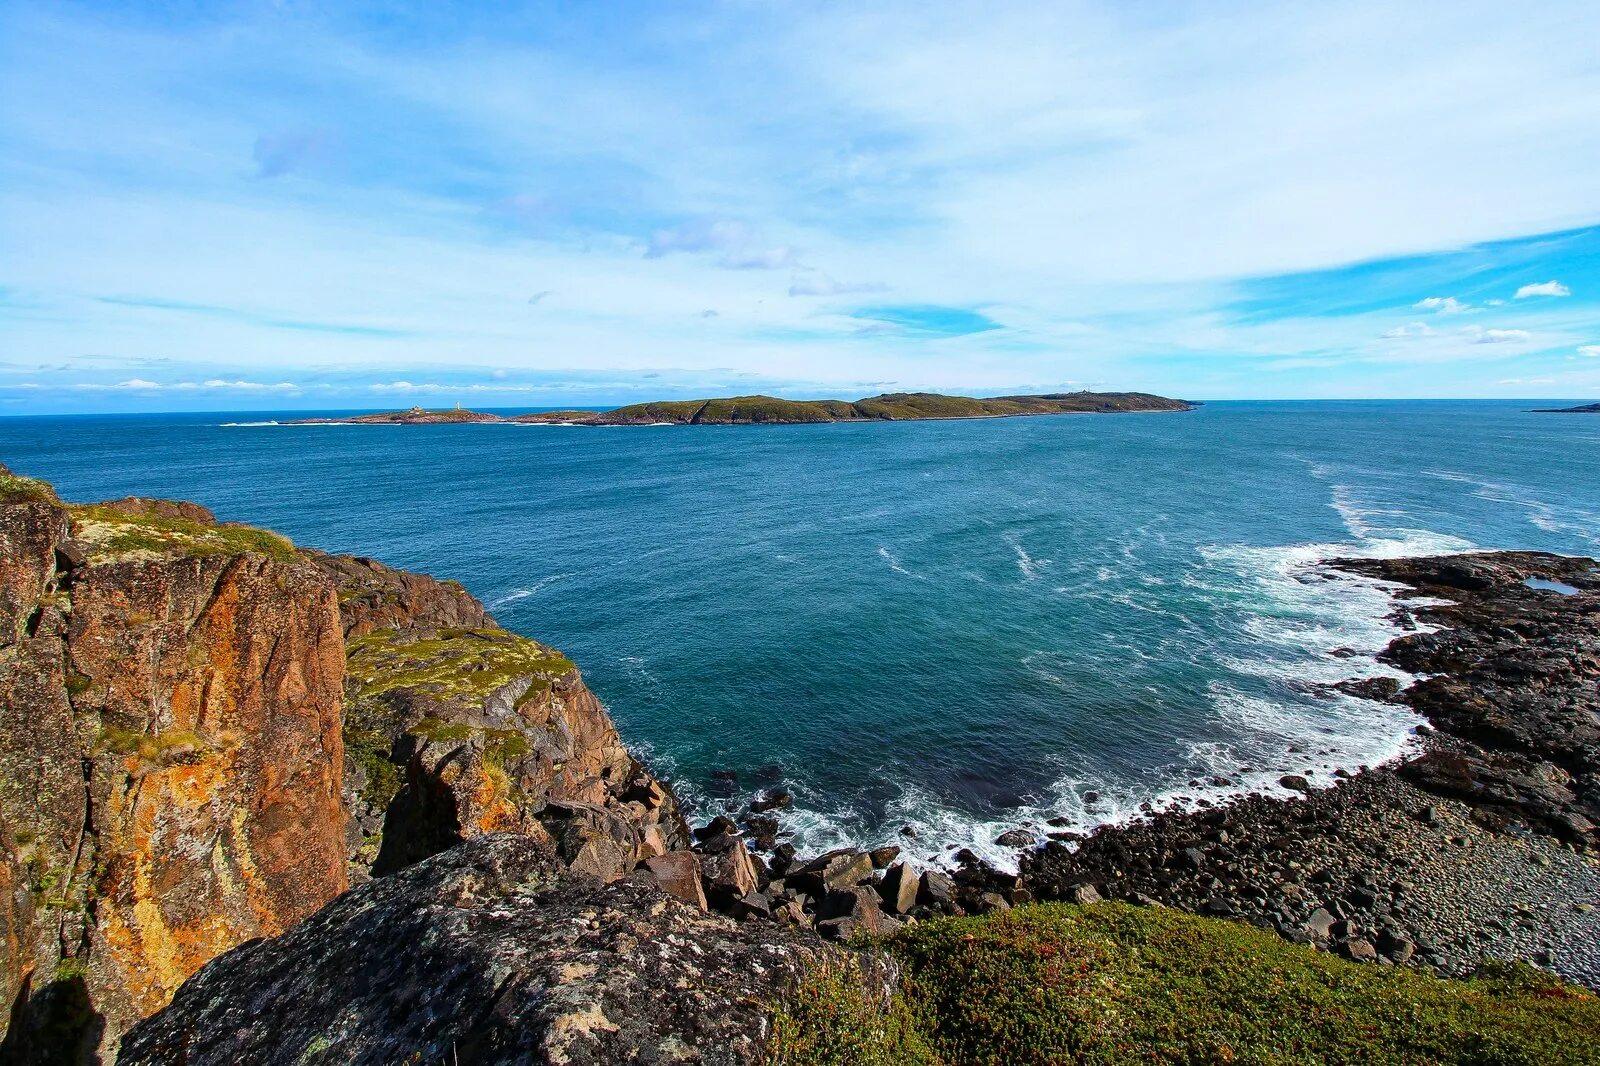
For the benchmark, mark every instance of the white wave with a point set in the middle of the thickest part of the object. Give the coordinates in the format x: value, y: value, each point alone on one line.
x: 1540, y: 513
x: 522, y: 594
x: 894, y: 563
x: 246, y: 425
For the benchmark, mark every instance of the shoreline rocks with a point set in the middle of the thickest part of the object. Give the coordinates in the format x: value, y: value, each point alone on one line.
x: 1482, y: 846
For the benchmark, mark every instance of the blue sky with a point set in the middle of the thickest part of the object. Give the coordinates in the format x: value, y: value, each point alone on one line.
x: 279, y: 205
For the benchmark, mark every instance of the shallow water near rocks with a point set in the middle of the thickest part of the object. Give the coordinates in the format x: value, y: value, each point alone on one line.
x: 961, y: 627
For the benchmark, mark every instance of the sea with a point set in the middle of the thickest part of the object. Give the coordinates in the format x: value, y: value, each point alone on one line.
x: 931, y: 633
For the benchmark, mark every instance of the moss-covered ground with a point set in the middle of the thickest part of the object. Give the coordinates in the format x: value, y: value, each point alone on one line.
x: 1113, y: 984
x: 112, y: 533
x: 14, y: 488
x: 449, y: 663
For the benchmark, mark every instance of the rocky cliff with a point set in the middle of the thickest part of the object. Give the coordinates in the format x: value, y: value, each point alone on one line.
x: 170, y: 754
x: 207, y: 733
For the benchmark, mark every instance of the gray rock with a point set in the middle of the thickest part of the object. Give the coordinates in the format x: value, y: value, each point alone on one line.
x: 899, y: 888
x: 1295, y: 782
x: 490, y: 953
x: 1082, y: 894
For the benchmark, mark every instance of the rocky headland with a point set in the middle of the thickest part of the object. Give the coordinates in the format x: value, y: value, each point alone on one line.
x: 1482, y: 844
x: 286, y: 806
x: 1581, y: 409
x: 770, y: 410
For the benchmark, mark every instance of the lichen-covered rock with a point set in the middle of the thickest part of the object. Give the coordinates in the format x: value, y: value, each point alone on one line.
x: 456, y: 731
x: 170, y: 758
x: 493, y: 953
x: 374, y: 596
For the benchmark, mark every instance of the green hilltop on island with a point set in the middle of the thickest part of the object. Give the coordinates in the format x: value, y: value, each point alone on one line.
x: 770, y: 410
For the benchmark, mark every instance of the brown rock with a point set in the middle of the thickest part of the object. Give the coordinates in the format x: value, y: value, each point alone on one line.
x: 678, y: 874
x: 899, y: 888
x: 169, y: 729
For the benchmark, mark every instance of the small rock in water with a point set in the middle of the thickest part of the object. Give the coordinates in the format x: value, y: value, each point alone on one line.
x: 1295, y: 782
x: 1015, y: 838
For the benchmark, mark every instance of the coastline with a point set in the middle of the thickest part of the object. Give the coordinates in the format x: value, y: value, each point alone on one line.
x: 1477, y: 846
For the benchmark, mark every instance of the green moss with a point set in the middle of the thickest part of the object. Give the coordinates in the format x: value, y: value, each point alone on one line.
x: 370, y: 751
x: 1114, y: 984
x: 454, y: 663
x: 14, y: 488
x: 77, y: 684
x: 67, y: 969
x: 152, y: 749
x: 441, y: 732
x: 504, y: 746
x: 830, y: 1021
x: 112, y: 532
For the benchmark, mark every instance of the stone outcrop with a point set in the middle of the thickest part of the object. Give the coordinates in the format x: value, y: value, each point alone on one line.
x: 207, y: 733
x: 493, y: 953
x: 1510, y: 680
x: 170, y: 755
x: 456, y: 728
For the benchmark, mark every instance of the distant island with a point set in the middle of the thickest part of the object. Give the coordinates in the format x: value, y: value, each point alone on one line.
x: 1585, y: 409
x: 769, y: 410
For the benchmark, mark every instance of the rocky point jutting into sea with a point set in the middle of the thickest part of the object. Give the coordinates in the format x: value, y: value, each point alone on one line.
x: 263, y: 804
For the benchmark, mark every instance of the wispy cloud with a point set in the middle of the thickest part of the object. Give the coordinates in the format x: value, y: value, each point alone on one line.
x: 819, y: 284
x: 1543, y: 288
x: 1478, y: 335
x: 1072, y: 192
x: 283, y: 153
x: 1591, y: 350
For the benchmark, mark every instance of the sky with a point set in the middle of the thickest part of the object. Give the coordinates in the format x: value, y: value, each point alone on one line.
x: 214, y: 206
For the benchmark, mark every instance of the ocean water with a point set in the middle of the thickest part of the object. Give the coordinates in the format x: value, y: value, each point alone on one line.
x: 960, y: 627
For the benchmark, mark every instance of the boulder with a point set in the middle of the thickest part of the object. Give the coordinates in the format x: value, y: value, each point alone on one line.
x: 899, y: 888
x: 726, y: 871
x: 844, y: 868
x: 1082, y: 894
x: 678, y: 874
x: 493, y: 953
x: 1295, y: 783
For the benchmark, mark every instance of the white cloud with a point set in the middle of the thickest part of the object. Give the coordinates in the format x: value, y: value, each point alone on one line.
x: 761, y: 258
x: 822, y: 285
x: 1543, y: 288
x: 1410, y: 329
x: 1591, y: 350
x: 1478, y: 335
x: 145, y: 385
x: 1443, y: 305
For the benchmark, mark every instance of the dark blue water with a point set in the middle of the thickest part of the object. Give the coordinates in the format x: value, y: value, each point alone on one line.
x: 960, y: 626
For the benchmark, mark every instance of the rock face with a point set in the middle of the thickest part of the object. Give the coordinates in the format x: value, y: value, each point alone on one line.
x: 456, y: 728
x: 492, y: 953
x: 170, y: 757
x: 206, y: 734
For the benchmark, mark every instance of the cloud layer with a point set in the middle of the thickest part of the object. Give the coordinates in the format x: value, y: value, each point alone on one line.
x: 1222, y: 200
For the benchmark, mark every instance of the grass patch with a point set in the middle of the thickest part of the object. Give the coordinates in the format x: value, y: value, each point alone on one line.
x: 1113, y: 984
x: 114, y: 533
x: 829, y: 1021
x: 14, y: 488
x: 370, y: 751
x: 152, y: 749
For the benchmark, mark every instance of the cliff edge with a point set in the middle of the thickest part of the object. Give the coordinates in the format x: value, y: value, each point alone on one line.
x: 207, y: 734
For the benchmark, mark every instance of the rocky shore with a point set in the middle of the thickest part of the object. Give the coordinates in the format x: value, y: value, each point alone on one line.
x: 1481, y: 846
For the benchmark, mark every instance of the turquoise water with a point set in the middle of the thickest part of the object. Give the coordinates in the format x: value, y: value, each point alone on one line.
x: 958, y: 626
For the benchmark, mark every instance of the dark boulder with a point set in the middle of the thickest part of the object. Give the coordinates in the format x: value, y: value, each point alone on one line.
x: 492, y: 954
